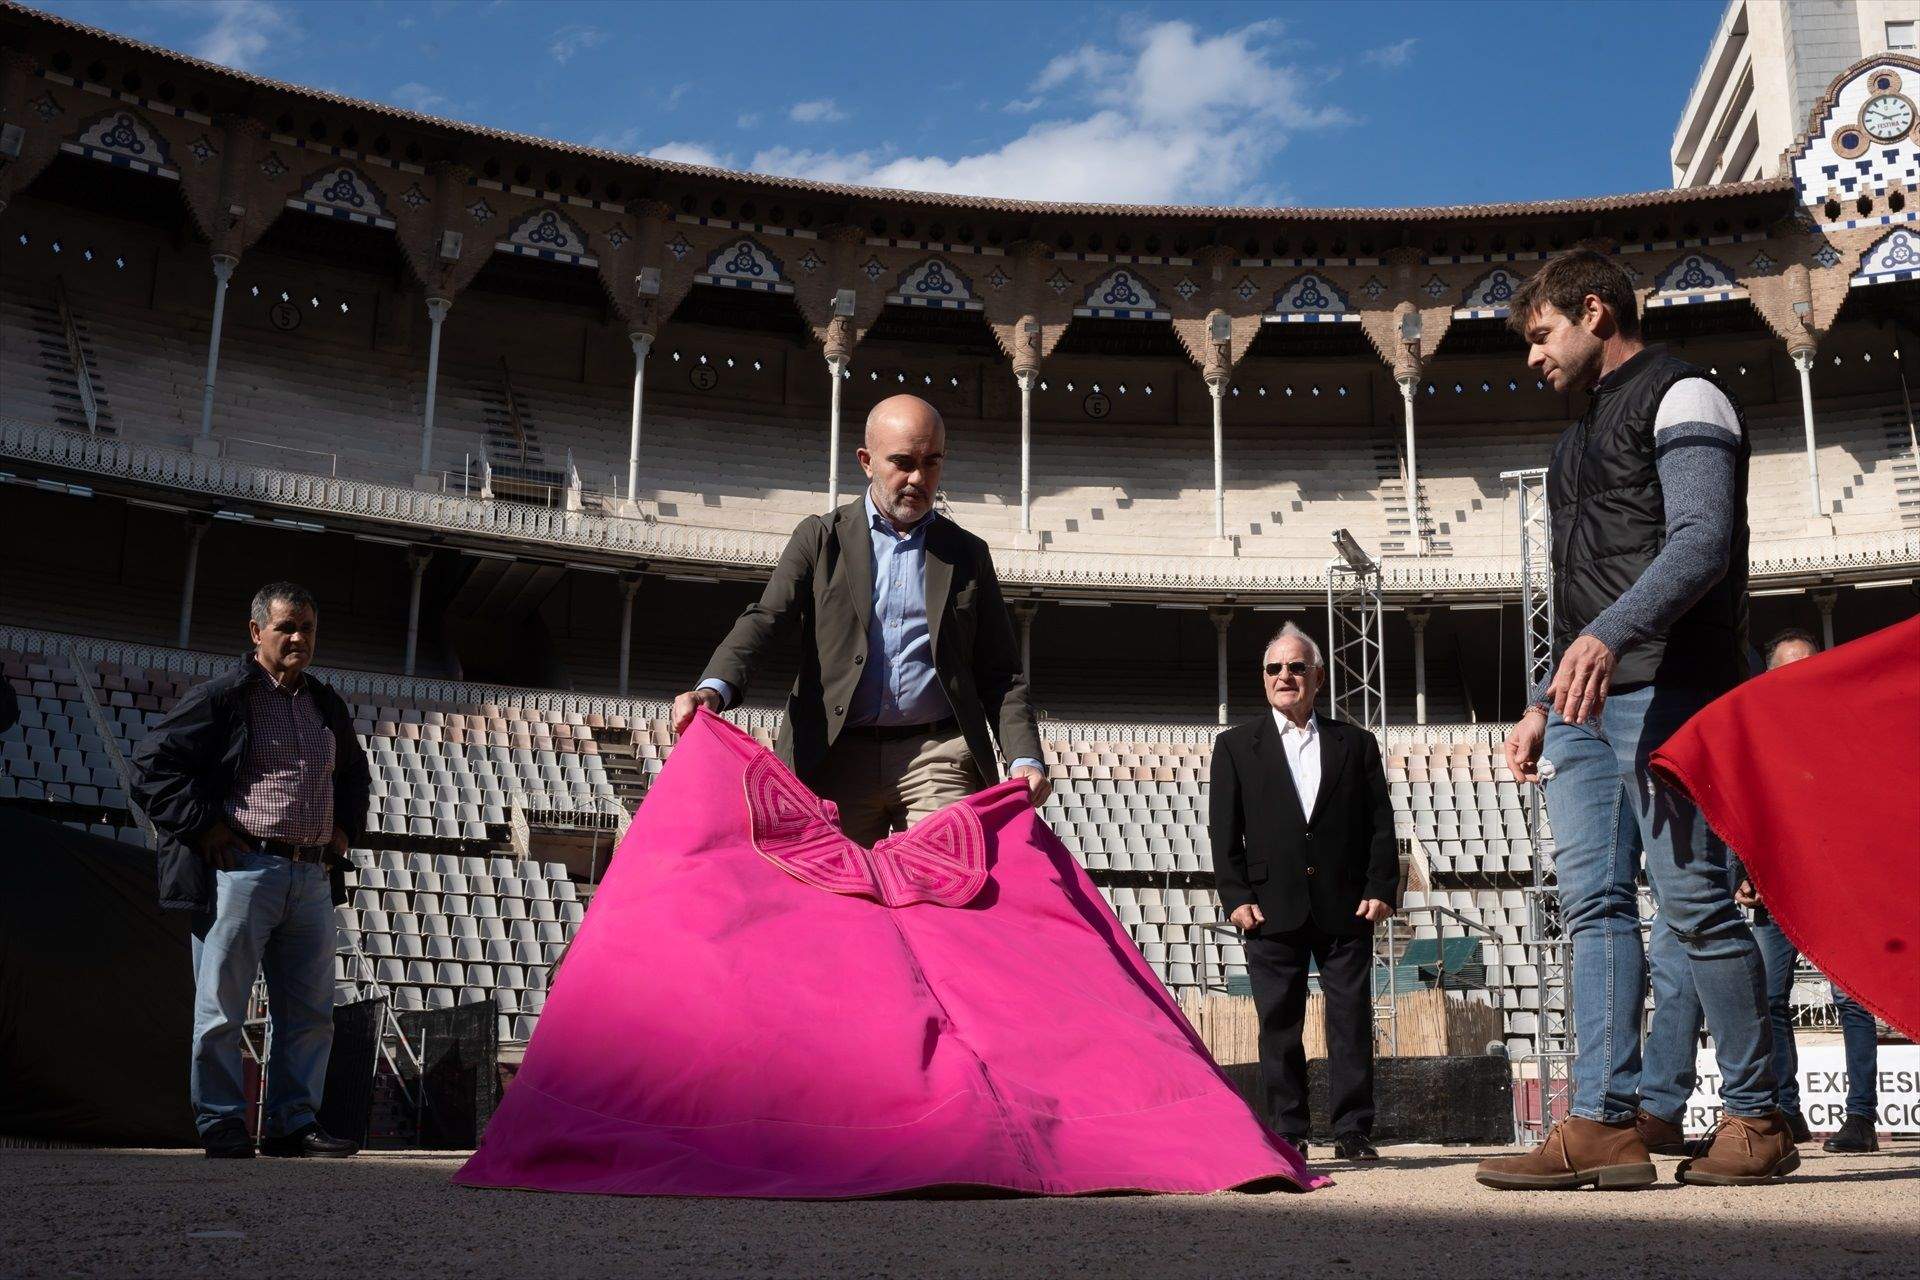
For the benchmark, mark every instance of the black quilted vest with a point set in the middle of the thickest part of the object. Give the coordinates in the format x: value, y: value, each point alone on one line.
x: 1609, y: 521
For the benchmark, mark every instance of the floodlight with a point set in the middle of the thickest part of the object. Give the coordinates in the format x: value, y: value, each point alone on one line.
x: 1357, y: 560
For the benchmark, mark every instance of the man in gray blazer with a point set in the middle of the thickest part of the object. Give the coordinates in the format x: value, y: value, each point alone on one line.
x: 909, y: 666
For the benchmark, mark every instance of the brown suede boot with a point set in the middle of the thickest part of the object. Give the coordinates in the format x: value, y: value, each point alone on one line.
x: 1577, y: 1153
x: 1663, y: 1137
x: 1742, y: 1151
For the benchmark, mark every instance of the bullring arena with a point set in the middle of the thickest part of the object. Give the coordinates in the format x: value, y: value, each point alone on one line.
x: 534, y: 422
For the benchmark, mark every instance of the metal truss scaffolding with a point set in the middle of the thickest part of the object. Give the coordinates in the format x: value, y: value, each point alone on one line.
x: 1357, y: 693
x: 1547, y: 942
x: 1356, y: 667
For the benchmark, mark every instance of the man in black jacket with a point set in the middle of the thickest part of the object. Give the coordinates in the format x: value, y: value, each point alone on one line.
x: 1305, y: 859
x: 257, y: 784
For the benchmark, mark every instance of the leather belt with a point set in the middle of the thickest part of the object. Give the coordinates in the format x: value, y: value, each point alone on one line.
x: 895, y: 732
x: 293, y: 852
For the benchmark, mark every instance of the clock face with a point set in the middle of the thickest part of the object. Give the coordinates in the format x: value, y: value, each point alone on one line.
x: 1887, y: 117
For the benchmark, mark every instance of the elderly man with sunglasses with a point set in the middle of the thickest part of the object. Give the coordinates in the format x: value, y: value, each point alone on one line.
x: 1305, y: 858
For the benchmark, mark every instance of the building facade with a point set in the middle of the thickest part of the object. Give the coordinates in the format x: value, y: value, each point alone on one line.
x: 1769, y: 62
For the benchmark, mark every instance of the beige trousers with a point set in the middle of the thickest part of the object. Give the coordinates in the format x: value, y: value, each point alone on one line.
x: 883, y: 785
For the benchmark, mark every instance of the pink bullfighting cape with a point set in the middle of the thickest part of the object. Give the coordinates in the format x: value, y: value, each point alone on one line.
x: 757, y: 1006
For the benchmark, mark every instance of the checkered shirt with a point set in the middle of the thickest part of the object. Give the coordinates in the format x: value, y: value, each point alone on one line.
x: 283, y: 790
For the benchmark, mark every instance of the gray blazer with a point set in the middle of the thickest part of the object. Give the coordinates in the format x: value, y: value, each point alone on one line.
x: 823, y: 590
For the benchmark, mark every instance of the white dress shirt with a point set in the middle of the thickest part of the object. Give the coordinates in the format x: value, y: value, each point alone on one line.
x: 1302, y: 746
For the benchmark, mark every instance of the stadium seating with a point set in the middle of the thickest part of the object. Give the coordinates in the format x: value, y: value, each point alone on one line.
x: 307, y: 408
x: 441, y: 908
x: 444, y: 779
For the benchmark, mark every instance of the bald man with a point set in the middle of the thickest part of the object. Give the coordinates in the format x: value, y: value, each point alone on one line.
x: 908, y: 664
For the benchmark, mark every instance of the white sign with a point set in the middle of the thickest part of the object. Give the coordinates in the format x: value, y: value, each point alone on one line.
x: 1823, y: 1088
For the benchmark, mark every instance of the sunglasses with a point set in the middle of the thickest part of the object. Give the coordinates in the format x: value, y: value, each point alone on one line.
x: 1293, y: 668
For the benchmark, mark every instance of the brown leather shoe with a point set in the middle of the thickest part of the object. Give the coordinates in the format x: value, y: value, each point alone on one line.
x: 1577, y: 1153
x: 1663, y: 1137
x: 1743, y: 1151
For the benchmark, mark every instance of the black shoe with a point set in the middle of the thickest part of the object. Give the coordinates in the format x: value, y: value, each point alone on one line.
x: 310, y: 1140
x: 1298, y: 1144
x: 1797, y: 1128
x: 1354, y: 1147
x: 1856, y: 1137
x: 228, y: 1140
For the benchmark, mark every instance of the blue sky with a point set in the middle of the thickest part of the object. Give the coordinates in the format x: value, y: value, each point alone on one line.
x: 1322, y: 104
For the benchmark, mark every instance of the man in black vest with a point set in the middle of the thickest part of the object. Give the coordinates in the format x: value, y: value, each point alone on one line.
x: 1304, y: 855
x: 1647, y: 499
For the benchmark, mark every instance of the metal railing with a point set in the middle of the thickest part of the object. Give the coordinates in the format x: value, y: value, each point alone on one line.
x: 332, y: 459
x: 666, y: 541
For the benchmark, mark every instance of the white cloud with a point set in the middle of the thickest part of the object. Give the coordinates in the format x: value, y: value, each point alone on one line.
x: 570, y: 40
x: 748, y: 120
x: 1392, y: 56
x: 815, y: 111
x: 1025, y: 106
x: 1084, y: 63
x: 689, y: 153
x: 415, y: 96
x: 1171, y: 115
x: 243, y: 31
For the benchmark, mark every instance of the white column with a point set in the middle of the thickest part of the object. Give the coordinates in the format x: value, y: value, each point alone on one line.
x: 1417, y: 619
x: 417, y: 559
x: 1024, y: 612
x: 1824, y: 601
x: 1803, y: 361
x: 642, y: 343
x: 1222, y: 619
x: 196, y: 530
x: 223, y: 265
x: 629, y: 586
x: 1407, y: 388
x: 436, y: 313
x: 1217, y: 388
x: 835, y: 365
x: 1026, y: 381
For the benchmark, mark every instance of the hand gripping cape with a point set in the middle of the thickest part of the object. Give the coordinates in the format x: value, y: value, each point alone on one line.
x: 1811, y: 773
x: 757, y: 1006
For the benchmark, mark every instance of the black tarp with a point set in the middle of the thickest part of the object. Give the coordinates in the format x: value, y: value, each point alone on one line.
x: 96, y: 991
x: 346, y: 1110
x: 459, y: 1055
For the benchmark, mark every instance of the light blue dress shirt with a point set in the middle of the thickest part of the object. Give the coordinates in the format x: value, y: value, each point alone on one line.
x: 899, y: 684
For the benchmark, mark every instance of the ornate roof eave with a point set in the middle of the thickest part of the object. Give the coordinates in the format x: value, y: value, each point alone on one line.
x: 773, y: 183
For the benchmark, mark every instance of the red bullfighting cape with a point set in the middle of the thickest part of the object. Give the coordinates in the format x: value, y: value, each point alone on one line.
x: 1811, y: 773
x: 757, y: 1006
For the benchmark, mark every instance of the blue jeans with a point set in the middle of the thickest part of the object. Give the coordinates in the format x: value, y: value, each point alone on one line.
x: 274, y: 913
x: 1608, y: 811
x: 1667, y: 1075
x: 1667, y: 1080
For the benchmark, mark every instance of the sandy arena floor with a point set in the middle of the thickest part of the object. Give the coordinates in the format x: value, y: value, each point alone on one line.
x: 1417, y: 1213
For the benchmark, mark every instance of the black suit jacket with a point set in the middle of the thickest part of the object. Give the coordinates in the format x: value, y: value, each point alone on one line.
x: 822, y: 591
x: 1266, y: 851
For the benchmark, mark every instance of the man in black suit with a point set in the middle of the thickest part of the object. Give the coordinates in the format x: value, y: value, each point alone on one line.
x: 1304, y: 853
